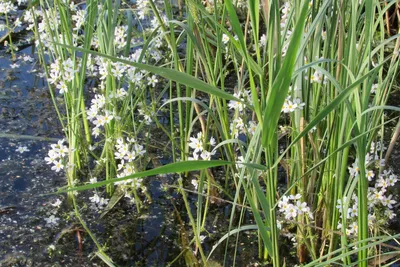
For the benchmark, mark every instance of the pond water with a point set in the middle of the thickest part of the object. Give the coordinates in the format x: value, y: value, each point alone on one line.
x: 151, y: 238
x: 154, y: 237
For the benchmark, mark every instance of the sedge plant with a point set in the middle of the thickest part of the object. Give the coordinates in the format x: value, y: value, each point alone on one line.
x: 259, y: 86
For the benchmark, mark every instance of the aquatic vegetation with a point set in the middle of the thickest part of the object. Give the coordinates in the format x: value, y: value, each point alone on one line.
x: 276, y: 108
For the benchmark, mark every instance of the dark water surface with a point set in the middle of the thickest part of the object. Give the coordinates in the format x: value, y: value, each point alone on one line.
x: 151, y: 238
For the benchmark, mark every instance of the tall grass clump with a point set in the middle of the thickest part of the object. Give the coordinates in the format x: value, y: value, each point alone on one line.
x: 288, y: 96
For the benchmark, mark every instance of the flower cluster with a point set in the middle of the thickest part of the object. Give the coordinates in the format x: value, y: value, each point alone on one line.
x: 263, y: 40
x: 79, y: 19
x: 197, y: 144
x: 62, y: 73
x: 284, y: 23
x: 380, y: 201
x: 98, y: 114
x: 290, y: 105
x: 127, y: 152
x: 57, y: 155
x: 120, y: 37
x: 371, y: 157
x: 7, y: 7
x: 291, y: 207
x: 237, y: 125
x: 244, y: 96
x: 351, y: 212
x: 318, y: 77
x: 143, y: 8
x: 378, y: 196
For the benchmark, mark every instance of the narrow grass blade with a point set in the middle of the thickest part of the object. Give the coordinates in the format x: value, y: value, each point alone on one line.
x: 177, y: 167
x: 170, y: 74
x: 280, y: 87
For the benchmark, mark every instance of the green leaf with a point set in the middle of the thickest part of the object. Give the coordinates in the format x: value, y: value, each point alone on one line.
x: 170, y: 74
x: 177, y: 167
x: 280, y: 87
x: 105, y: 258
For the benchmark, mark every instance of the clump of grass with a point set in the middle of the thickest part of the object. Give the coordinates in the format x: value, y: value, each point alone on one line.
x: 310, y: 83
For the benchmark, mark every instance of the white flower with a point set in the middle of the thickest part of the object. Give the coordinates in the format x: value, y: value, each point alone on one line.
x: 374, y: 88
x: 378, y: 195
x: 196, y: 143
x: 130, y: 156
x: 96, y: 132
x: 62, y: 86
x: 371, y: 219
x: 99, y: 121
x: 95, y: 198
x: 392, y: 180
x: 202, y: 238
x: 387, y: 201
x: 353, y: 211
x: 382, y: 182
x: 22, y: 149
x: 349, y: 231
x: 212, y: 141
x: 295, y: 197
x: 152, y: 80
x: 195, y: 183
x: 205, y: 155
x: 317, y: 77
x: 236, y: 105
x: 354, y: 227
x: 121, y: 93
x: 354, y: 170
x: 225, y: 38
x: 390, y: 214
x: 108, y: 117
x: 14, y: 66
x: 139, y: 150
x: 53, y: 156
x: 370, y: 175
x: 290, y: 211
x: 62, y: 150
x: 283, y: 203
x: 252, y: 127
x: 57, y: 204
x: 57, y: 166
x: 195, y: 156
x: 263, y: 40
x: 302, y: 207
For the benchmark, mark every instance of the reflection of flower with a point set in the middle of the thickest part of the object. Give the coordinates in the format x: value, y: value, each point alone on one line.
x: 99, y: 201
x: 52, y: 220
x: 22, y: 149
